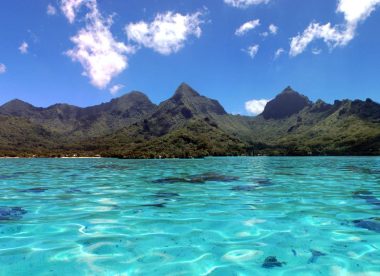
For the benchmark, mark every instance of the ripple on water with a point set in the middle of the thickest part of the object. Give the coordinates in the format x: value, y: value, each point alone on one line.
x: 216, y: 216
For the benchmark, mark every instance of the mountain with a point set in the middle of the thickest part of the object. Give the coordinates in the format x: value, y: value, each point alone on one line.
x: 287, y: 103
x: 190, y: 125
x: 79, y: 122
x: 344, y: 128
x: 179, y: 127
x: 186, y: 104
x: 18, y: 108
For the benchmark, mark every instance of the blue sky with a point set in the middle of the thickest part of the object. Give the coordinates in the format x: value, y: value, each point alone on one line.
x: 84, y: 52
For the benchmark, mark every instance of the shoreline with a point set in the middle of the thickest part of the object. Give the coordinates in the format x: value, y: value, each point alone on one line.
x: 47, y: 157
x: 179, y: 158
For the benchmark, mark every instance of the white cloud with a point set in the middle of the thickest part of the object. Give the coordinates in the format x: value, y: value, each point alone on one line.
x: 51, y: 10
x: 355, y: 11
x: 167, y: 33
x: 273, y: 29
x: 3, y: 68
x: 316, y: 51
x: 101, y: 56
x: 247, y: 26
x: 252, y: 50
x: 278, y: 53
x: 23, y: 48
x: 71, y: 7
x: 116, y: 88
x: 245, y: 3
x: 332, y: 36
x: 256, y: 107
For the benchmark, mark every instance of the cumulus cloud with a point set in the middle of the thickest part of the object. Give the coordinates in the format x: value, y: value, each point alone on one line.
x: 354, y: 11
x: 167, y: 33
x: 273, y: 29
x: 3, y: 68
x: 256, y: 107
x: 252, y: 50
x: 116, y: 88
x: 278, y: 53
x: 101, y: 56
x: 71, y: 7
x: 51, y: 10
x: 247, y: 26
x: 357, y: 10
x: 23, y: 48
x: 245, y: 3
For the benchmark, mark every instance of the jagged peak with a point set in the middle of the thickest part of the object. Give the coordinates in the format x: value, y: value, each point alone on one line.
x: 186, y: 97
x: 320, y: 106
x: 320, y: 101
x: 288, y: 90
x: 186, y: 90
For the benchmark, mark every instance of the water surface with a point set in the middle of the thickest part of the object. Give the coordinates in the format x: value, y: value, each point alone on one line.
x: 216, y: 216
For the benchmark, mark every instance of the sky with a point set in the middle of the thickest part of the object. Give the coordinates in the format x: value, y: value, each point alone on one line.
x: 240, y: 52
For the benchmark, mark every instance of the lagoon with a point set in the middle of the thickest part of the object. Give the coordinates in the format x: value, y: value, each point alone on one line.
x: 212, y: 216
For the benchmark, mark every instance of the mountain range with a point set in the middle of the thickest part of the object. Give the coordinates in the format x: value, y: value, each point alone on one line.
x: 190, y: 125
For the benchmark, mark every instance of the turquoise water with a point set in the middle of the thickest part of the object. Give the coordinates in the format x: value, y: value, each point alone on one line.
x: 217, y: 216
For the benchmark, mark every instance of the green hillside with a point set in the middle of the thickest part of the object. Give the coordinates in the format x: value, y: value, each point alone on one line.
x: 190, y: 125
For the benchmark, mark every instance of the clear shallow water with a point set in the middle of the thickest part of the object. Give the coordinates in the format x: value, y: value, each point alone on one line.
x: 130, y: 217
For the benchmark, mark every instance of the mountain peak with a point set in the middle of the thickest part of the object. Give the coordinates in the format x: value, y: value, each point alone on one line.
x: 133, y: 96
x: 185, y: 90
x: 16, y: 102
x: 320, y: 106
x: 285, y: 104
x: 288, y: 90
x: 134, y: 100
x: 187, y: 96
x: 15, y: 107
x: 132, y: 93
